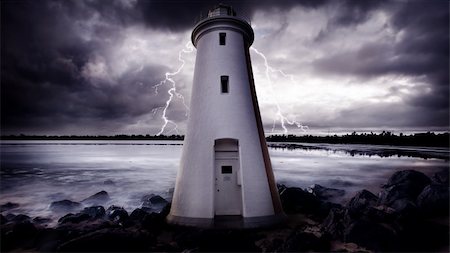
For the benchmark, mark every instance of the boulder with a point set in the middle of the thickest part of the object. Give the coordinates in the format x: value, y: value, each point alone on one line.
x: 325, y: 193
x: 116, y: 214
x: 108, y: 240
x: 434, y: 199
x: 441, y: 177
x: 296, y: 200
x: 41, y: 220
x: 138, y: 214
x: 406, y: 184
x: 299, y: 241
x: 153, y: 203
x: 361, y: 202
x: 97, y: 199
x: 65, y: 206
x: 335, y: 223
x: 3, y: 219
x: 94, y: 212
x: 74, y: 218
x: 20, y: 218
x: 371, y: 235
x: 8, y: 206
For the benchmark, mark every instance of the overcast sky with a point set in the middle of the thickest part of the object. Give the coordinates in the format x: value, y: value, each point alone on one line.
x: 90, y: 67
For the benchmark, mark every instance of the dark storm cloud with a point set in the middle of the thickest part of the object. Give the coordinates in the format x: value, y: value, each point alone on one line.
x: 44, y: 53
x: 421, y: 52
x: 46, y: 47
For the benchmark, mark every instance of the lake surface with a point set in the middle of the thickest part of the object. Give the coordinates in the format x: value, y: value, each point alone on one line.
x: 35, y: 173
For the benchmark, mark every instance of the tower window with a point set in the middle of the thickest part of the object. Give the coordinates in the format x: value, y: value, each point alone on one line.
x: 222, y: 37
x: 224, y: 84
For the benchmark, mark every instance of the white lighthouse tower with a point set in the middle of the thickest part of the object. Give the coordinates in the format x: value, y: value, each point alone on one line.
x: 225, y: 177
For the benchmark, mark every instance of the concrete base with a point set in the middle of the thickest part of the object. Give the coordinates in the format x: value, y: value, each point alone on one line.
x: 229, y: 221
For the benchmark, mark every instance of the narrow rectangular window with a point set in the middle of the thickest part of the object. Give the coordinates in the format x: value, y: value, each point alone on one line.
x: 222, y: 38
x: 227, y: 169
x: 224, y: 84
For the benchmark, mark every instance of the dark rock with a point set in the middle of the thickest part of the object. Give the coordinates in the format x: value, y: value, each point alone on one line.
x: 441, y: 177
x: 116, y: 214
x: 8, y: 206
x: 97, y: 199
x: 405, y: 207
x: 381, y: 214
x: 138, y: 214
x: 372, y: 235
x: 153, y: 203
x: 361, y: 202
x: 109, y: 240
x: 434, y: 199
x: 74, y: 218
x: 296, y: 200
x: 94, y: 212
x: 325, y: 193
x: 64, y: 206
x: 335, y: 223
x: 300, y: 241
x: 109, y: 182
x: 3, y: 219
x: 409, y: 177
x: 403, y: 184
x: 20, y: 218
x: 10, y: 216
x: 41, y: 220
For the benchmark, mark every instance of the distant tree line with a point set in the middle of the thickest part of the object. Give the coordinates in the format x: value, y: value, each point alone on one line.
x: 428, y: 139
x: 93, y: 137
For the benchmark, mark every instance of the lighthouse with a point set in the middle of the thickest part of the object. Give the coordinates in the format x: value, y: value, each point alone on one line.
x: 225, y: 177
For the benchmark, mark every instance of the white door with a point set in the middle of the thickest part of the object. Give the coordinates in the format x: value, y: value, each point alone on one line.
x: 228, y: 196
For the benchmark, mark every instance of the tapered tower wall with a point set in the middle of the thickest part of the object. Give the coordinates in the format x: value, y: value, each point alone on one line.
x: 216, y: 115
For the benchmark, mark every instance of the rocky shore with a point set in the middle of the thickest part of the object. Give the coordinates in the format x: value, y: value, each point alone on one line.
x: 410, y: 213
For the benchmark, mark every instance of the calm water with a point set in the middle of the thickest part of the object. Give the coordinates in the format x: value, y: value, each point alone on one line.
x: 35, y: 173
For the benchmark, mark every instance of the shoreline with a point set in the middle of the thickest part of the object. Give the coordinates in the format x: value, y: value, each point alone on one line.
x: 406, y: 208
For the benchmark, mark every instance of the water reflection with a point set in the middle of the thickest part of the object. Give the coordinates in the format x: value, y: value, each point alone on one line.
x: 35, y: 173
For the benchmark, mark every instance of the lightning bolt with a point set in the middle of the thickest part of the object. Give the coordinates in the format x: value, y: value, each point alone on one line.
x: 280, y: 116
x: 188, y: 48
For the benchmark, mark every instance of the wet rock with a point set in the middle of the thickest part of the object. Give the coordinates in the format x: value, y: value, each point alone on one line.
x: 360, y: 203
x: 406, y: 184
x: 74, y: 218
x: 64, y: 206
x: 434, y: 199
x: 94, y: 212
x: 296, y: 200
x: 20, y: 218
x: 372, y: 235
x: 8, y: 206
x: 325, y: 193
x: 441, y: 177
x: 335, y: 223
x: 112, y: 240
x: 153, y: 203
x: 10, y: 216
x: 41, y: 220
x: 117, y: 214
x: 3, y: 219
x: 405, y: 207
x: 97, y: 199
x: 138, y: 214
x: 381, y: 214
x: 300, y: 241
